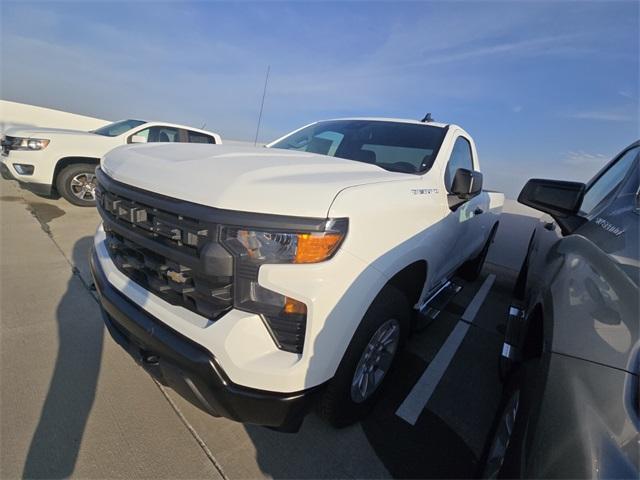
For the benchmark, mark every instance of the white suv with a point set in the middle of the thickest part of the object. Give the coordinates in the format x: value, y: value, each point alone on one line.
x: 45, y: 158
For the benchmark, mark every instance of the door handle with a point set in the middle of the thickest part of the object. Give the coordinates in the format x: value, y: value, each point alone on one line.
x: 478, y: 211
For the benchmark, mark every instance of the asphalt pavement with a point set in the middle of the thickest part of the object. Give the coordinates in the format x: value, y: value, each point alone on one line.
x: 72, y: 403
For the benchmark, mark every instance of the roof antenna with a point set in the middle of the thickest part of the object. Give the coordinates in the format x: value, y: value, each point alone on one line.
x: 427, y: 118
x: 264, y: 94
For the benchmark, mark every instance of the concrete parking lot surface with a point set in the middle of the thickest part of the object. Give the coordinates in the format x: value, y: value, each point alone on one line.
x: 72, y: 403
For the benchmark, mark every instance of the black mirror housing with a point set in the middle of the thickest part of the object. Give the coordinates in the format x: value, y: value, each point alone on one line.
x: 466, y: 183
x: 558, y: 198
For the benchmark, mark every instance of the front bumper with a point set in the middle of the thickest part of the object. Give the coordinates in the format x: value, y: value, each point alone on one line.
x: 26, y: 181
x: 189, y: 369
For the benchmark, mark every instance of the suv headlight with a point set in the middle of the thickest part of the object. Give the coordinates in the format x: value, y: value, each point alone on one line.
x: 30, y: 143
x: 285, y: 317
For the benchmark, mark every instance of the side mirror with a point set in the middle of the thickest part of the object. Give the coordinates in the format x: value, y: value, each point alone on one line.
x: 137, y: 139
x: 557, y: 198
x: 466, y: 183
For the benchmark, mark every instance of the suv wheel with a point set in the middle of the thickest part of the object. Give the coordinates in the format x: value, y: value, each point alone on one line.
x: 77, y: 184
x: 368, y: 360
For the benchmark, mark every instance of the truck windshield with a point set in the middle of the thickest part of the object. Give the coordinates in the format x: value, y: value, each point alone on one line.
x: 117, y: 128
x: 394, y: 146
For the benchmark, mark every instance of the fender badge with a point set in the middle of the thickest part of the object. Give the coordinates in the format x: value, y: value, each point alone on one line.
x: 609, y: 227
x: 424, y: 191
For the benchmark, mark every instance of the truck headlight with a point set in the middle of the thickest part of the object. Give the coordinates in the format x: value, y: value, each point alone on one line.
x: 30, y: 144
x: 285, y: 317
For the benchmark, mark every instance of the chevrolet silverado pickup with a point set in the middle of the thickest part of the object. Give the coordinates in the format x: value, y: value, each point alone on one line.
x: 46, y: 159
x: 256, y: 282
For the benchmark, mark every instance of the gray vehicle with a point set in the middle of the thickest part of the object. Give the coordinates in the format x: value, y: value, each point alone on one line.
x: 571, y: 352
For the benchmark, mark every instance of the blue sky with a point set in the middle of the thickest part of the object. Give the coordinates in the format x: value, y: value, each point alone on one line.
x: 547, y: 89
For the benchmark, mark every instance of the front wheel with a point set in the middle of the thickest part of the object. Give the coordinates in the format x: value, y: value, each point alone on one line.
x: 77, y: 184
x: 369, y: 358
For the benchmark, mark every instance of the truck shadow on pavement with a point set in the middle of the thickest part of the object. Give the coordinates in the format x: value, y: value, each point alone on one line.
x: 56, y: 441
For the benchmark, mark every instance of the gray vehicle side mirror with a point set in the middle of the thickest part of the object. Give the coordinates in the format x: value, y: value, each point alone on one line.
x: 560, y: 199
x: 557, y: 198
x: 466, y: 183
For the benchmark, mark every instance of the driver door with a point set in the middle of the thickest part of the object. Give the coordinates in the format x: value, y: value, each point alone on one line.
x: 459, y: 220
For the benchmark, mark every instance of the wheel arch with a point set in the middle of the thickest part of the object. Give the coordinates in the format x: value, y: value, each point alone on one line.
x: 533, y: 344
x: 410, y: 280
x: 520, y: 287
x: 66, y: 161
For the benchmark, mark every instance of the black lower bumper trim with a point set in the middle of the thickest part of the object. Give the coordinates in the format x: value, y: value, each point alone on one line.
x: 42, y: 189
x: 189, y: 369
x: 5, y: 172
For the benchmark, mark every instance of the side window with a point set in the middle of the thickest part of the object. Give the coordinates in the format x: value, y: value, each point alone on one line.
x: 197, y: 137
x: 143, y: 133
x: 160, y: 134
x: 460, y: 158
x: 608, y: 182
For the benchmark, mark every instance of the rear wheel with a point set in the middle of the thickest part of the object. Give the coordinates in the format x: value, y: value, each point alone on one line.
x: 77, y: 183
x: 471, y: 269
x: 368, y: 360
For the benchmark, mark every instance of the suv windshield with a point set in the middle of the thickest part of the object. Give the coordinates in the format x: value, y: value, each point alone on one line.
x: 117, y: 128
x: 394, y: 146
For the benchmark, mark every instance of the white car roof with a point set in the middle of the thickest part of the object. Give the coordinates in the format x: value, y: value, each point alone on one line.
x: 395, y: 120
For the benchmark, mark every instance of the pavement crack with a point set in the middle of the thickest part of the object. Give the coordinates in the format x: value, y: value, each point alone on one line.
x: 45, y: 227
x: 192, y: 431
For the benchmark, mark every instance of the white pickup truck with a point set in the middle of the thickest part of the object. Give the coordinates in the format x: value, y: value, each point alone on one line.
x: 44, y: 159
x: 255, y: 281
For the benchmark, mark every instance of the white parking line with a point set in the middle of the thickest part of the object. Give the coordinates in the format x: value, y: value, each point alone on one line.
x: 412, y: 406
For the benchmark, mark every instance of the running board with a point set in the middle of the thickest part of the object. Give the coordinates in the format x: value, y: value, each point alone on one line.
x: 429, y: 310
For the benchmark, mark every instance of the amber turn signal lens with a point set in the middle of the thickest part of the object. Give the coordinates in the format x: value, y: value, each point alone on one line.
x: 292, y: 306
x: 316, y: 247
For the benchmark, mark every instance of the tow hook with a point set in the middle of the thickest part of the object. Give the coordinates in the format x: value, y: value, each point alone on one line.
x: 149, y: 358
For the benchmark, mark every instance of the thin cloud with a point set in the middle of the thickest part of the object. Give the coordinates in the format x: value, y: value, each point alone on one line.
x: 603, y: 116
x: 583, y: 159
x: 536, y: 46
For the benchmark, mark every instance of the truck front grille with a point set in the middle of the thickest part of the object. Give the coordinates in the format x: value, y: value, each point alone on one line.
x: 177, y: 258
x: 8, y: 143
x: 172, y: 248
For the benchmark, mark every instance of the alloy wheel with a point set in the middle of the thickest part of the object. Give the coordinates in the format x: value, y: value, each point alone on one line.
x: 375, y: 361
x: 83, y: 186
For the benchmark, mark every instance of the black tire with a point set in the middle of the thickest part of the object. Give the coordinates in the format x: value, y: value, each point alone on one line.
x: 500, y: 441
x: 337, y: 404
x: 522, y: 384
x: 472, y: 269
x: 68, y: 191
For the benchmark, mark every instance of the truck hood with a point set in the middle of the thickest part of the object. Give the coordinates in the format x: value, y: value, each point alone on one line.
x: 250, y: 179
x: 35, y: 132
